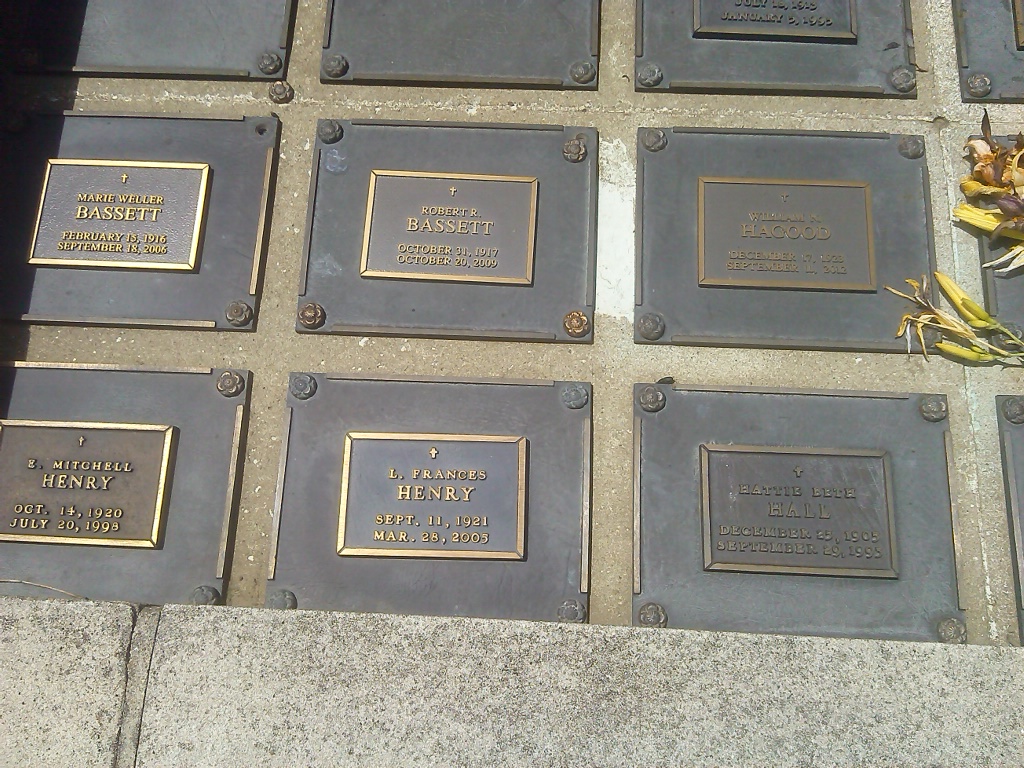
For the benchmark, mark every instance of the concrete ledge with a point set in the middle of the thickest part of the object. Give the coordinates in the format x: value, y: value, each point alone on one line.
x: 233, y: 687
x: 62, y: 681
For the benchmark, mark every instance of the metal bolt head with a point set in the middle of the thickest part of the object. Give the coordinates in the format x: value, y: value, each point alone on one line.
x: 302, y: 386
x: 583, y: 72
x: 572, y: 611
x: 652, y: 615
x: 576, y: 324
x: 952, y: 631
x: 651, y: 399
x: 230, y: 384
x: 238, y: 314
x: 312, y: 316
x: 205, y: 595
x: 1013, y: 410
x: 903, y: 79
x: 575, y: 396
x: 651, y: 326
x: 335, y: 66
x: 282, y: 600
x: 933, y: 408
x: 575, y: 150
x: 650, y: 75
x: 979, y: 85
x: 911, y: 147
x: 281, y: 92
x: 654, y: 140
x: 329, y: 131
x: 270, y: 63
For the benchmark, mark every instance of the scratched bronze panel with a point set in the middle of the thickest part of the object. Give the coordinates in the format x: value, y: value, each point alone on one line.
x: 772, y: 509
x: 807, y: 20
x: 83, y: 483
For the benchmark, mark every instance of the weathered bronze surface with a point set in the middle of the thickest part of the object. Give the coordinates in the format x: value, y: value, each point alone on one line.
x: 822, y: 512
x: 179, y: 242
x: 782, y: 233
x: 433, y: 495
x: 415, y: 495
x: 828, y: 47
x: 809, y: 20
x: 450, y: 226
x: 126, y: 214
x: 84, y: 483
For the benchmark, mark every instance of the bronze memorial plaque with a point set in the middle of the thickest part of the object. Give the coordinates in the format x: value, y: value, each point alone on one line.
x: 1018, y: 23
x: 814, y: 511
x: 450, y: 226
x: 780, y: 233
x: 807, y: 20
x: 84, y: 482
x: 433, y: 495
x: 120, y: 214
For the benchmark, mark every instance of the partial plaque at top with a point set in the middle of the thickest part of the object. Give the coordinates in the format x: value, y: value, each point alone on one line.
x: 827, y: 20
x: 794, y: 253
x: 148, y: 221
x: 452, y: 42
x: 990, y: 49
x: 853, y: 47
x: 192, y: 38
x: 446, y: 230
x: 788, y: 511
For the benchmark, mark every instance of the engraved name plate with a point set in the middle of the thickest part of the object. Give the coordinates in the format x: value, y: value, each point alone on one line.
x: 121, y: 214
x: 84, y: 483
x: 778, y: 233
x: 824, y: 20
x: 450, y: 226
x: 433, y: 495
x: 790, y: 510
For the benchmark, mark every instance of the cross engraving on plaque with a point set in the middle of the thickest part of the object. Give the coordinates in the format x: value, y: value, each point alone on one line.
x: 453, y: 190
x: 433, y: 453
x: 81, y: 441
x: 797, y: 471
x: 124, y: 178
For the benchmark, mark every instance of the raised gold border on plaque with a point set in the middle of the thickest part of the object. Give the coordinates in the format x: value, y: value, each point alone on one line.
x: 827, y: 285
x: 516, y: 554
x: 188, y: 266
x: 710, y: 563
x: 160, y: 505
x: 531, y: 236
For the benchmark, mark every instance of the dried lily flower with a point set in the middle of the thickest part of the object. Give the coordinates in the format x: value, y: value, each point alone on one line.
x: 996, y: 182
x: 967, y: 336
